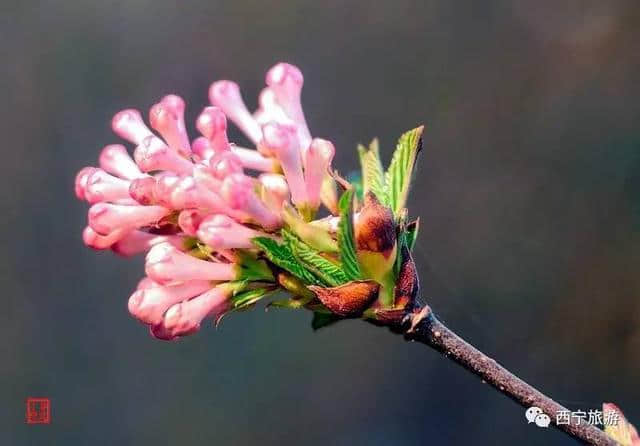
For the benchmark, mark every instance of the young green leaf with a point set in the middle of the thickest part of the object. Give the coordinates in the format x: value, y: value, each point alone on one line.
x: 248, y: 298
x: 346, y: 241
x: 398, y: 176
x: 412, y: 233
x: 324, y: 269
x: 321, y: 320
x: 281, y: 255
x: 373, y: 179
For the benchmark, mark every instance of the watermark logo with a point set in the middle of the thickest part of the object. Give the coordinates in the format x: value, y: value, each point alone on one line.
x: 535, y: 415
x: 38, y: 411
x: 595, y: 417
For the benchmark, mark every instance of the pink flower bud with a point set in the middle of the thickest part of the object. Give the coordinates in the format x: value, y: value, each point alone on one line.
x: 128, y: 124
x: 212, y: 123
x: 202, y: 148
x: 189, y: 220
x: 286, y: 82
x: 153, y: 154
x: 223, y: 164
x: 97, y: 241
x: 252, y: 159
x: 146, y: 283
x: 226, y: 95
x: 166, y: 264
x: 81, y: 181
x: 142, y: 190
x: 222, y: 232
x: 115, y: 159
x: 149, y: 305
x: 275, y: 190
x: 167, y: 118
x: 105, y: 218
x: 185, y: 318
x: 137, y: 242
x: 104, y: 187
x: 317, y: 162
x: 282, y: 141
x: 238, y: 191
x: 269, y: 109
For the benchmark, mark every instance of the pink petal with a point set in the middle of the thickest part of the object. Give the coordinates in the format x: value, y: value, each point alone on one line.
x: 212, y: 123
x: 286, y: 82
x: 104, y: 187
x: 97, y: 241
x: 105, y: 218
x: 226, y: 95
x: 238, y: 191
x: 115, y: 159
x: 167, y: 118
x: 149, y: 305
x: 222, y: 232
x: 202, y: 148
x: 128, y: 124
x: 153, y: 154
x: 81, y: 181
x: 166, y: 264
x: 282, y: 141
x: 275, y: 190
x: 317, y: 162
x: 252, y: 159
x: 137, y: 242
x: 185, y: 318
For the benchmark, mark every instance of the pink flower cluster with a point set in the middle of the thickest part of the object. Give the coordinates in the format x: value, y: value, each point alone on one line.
x: 177, y: 196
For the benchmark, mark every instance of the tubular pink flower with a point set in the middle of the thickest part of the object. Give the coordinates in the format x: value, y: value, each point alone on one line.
x: 149, y: 305
x: 115, y: 159
x: 104, y: 187
x: 185, y: 318
x: 202, y: 148
x: 189, y: 220
x: 269, y: 109
x: 282, y: 141
x: 137, y: 242
x: 104, y: 218
x: 97, y: 241
x: 128, y: 124
x: 166, y: 264
x: 252, y: 159
x: 81, y: 181
x: 143, y: 189
x: 212, y: 123
x: 153, y: 154
x: 223, y: 164
x: 226, y: 95
x: 286, y: 82
x: 222, y: 232
x: 187, y: 193
x: 167, y: 118
x: 274, y: 191
x: 316, y: 164
x: 238, y: 191
x: 146, y: 283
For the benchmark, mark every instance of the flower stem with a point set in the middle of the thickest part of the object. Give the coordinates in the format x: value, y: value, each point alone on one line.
x: 427, y: 329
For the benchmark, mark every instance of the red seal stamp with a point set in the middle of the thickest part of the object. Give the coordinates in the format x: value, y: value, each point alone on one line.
x: 38, y: 411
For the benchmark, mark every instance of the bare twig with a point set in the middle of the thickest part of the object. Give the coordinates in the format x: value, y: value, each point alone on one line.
x: 424, y: 327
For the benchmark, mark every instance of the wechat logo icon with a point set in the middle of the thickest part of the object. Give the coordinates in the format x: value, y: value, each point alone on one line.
x: 535, y: 415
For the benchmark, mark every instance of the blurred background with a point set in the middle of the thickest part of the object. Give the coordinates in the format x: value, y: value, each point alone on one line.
x: 528, y: 191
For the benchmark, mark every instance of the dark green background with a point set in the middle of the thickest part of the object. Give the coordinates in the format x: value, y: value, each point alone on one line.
x: 528, y: 191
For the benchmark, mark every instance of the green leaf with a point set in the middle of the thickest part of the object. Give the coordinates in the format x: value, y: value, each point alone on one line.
x: 324, y: 269
x: 373, y: 179
x: 248, y: 298
x: 398, y: 176
x: 321, y: 320
x: 346, y: 238
x: 412, y: 233
x: 281, y: 255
